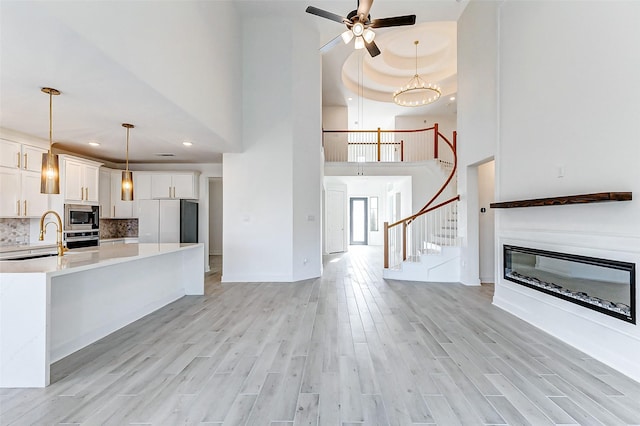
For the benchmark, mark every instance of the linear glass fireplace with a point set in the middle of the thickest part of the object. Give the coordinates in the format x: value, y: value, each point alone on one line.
x: 606, y: 286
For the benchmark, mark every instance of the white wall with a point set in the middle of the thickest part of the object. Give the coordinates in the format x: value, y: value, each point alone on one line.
x: 335, y: 118
x: 446, y: 123
x: 569, y: 93
x: 272, y: 190
x: 306, y: 98
x: 426, y: 178
x: 477, y: 120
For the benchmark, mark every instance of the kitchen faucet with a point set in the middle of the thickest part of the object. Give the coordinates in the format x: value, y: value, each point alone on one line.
x: 43, y: 230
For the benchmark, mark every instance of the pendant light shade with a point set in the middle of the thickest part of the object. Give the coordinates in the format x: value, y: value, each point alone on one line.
x: 127, y: 185
x: 127, y: 176
x: 50, y: 174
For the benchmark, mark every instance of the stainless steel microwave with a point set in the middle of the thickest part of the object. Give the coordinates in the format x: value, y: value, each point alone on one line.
x: 80, y: 217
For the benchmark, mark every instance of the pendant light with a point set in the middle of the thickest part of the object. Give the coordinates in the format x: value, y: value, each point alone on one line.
x: 127, y: 176
x: 50, y: 175
x: 417, y: 92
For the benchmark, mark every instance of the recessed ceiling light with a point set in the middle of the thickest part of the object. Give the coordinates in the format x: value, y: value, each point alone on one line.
x: 187, y: 143
x: 349, y: 99
x: 453, y: 98
x: 94, y: 144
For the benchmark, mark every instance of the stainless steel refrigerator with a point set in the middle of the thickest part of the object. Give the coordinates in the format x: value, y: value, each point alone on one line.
x: 167, y: 221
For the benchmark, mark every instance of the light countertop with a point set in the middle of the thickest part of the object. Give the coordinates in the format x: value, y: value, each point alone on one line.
x: 89, y: 258
x: 30, y: 246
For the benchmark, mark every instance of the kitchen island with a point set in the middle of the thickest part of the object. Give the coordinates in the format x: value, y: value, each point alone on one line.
x: 53, y: 306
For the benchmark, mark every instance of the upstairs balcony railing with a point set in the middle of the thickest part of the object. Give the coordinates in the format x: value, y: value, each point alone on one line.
x: 390, y: 146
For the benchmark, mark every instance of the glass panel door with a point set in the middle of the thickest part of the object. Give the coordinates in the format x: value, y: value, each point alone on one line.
x: 359, y: 221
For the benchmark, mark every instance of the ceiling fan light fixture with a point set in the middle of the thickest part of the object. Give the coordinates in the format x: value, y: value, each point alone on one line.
x: 359, y: 43
x: 417, y: 92
x: 347, y: 36
x: 358, y: 29
x: 368, y: 35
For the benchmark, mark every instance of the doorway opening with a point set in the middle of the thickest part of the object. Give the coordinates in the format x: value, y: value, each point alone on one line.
x: 359, y: 221
x: 215, y: 227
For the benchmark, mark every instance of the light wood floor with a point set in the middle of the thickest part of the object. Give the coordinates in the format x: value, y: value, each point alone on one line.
x: 347, y: 349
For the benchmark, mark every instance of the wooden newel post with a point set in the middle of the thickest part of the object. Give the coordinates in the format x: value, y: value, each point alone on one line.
x: 401, y: 150
x: 404, y: 241
x: 386, y: 245
x: 379, y: 150
x: 435, y: 141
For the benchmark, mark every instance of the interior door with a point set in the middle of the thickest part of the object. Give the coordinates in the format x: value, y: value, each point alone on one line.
x: 335, y: 213
x: 359, y: 221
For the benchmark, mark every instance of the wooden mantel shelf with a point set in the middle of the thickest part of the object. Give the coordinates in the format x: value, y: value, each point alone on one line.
x: 599, y: 197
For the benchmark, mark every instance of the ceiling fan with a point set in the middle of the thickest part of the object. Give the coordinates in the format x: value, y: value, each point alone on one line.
x: 359, y: 25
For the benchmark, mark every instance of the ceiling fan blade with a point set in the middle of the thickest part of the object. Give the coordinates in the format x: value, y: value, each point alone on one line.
x: 396, y: 21
x: 364, y: 6
x: 372, y: 48
x: 324, y: 14
x: 331, y: 44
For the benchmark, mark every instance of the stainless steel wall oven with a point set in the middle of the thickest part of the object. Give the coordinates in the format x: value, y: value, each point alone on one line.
x: 81, y: 225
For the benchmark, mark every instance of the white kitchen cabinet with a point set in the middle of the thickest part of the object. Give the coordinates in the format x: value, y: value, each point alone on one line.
x: 80, y: 180
x: 104, y: 193
x: 159, y: 221
x: 32, y: 158
x: 10, y: 189
x: 20, y: 180
x: 34, y: 204
x: 175, y: 185
x: 10, y: 154
x: 142, y: 185
x: 111, y: 204
x: 21, y: 195
x: 19, y: 156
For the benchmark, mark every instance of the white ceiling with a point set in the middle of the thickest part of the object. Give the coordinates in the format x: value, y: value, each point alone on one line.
x: 53, y: 44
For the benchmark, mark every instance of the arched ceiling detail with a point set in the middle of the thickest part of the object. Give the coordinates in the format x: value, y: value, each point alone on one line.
x: 377, y: 78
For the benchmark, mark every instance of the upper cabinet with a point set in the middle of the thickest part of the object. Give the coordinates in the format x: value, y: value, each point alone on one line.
x: 19, y: 156
x: 178, y: 185
x: 20, y: 180
x: 111, y: 204
x: 142, y: 185
x: 80, y: 180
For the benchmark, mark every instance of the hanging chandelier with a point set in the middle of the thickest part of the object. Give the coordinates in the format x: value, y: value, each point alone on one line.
x: 127, y: 175
x: 417, y: 92
x: 50, y: 174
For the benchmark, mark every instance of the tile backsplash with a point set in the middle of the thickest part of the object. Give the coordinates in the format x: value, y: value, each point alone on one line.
x: 118, y: 228
x: 14, y: 231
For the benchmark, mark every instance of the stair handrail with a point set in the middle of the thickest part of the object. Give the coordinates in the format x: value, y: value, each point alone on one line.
x: 453, y: 147
x: 423, y: 212
x: 427, y: 207
x: 379, y: 133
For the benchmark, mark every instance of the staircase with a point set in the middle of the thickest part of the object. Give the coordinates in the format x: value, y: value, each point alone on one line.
x: 435, y: 249
x: 425, y: 246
